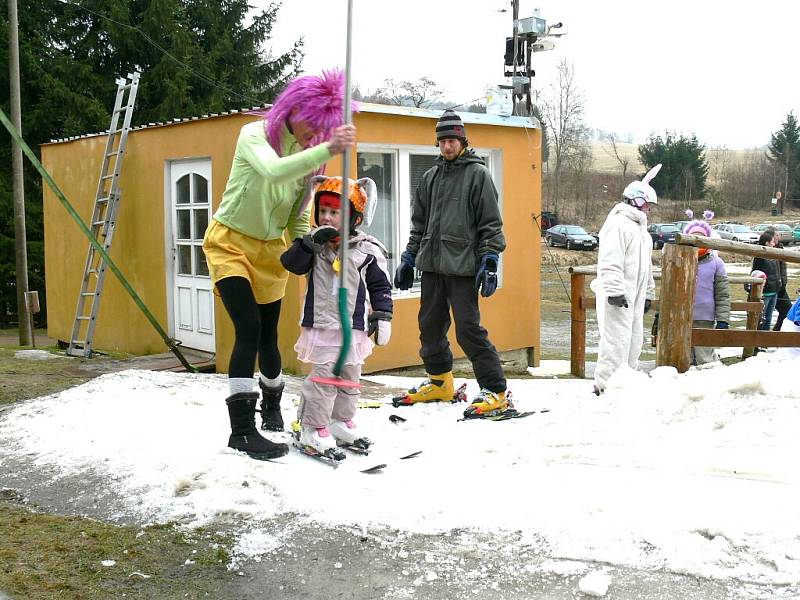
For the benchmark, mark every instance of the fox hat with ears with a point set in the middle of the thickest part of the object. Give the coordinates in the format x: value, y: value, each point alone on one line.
x: 639, y: 193
x: 362, y: 194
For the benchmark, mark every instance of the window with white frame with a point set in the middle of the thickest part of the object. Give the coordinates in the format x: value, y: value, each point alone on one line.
x: 396, y: 171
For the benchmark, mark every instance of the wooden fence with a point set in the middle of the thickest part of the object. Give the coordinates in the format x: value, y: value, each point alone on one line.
x: 678, y: 276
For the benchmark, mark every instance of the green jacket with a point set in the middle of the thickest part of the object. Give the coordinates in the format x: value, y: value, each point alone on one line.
x: 264, y: 190
x: 456, y: 217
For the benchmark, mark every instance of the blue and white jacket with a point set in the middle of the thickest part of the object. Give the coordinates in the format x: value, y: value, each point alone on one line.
x: 367, y: 275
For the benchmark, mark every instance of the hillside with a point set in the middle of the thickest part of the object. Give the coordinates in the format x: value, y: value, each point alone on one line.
x: 603, y: 160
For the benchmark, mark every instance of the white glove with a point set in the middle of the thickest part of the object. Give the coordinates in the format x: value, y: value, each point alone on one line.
x: 380, y: 327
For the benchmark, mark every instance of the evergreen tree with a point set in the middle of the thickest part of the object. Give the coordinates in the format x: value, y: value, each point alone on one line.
x: 684, y: 169
x: 784, y: 149
x: 195, y: 56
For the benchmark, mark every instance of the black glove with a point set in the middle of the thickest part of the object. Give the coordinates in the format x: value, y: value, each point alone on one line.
x: 486, y: 277
x: 721, y: 325
x: 404, y: 275
x: 619, y: 301
x: 380, y: 326
x: 315, y: 240
x: 647, y: 304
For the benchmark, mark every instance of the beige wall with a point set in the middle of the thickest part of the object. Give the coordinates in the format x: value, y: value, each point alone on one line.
x: 511, y: 315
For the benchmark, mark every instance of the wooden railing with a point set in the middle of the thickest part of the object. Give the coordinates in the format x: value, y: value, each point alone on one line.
x: 678, y: 277
x: 583, y: 301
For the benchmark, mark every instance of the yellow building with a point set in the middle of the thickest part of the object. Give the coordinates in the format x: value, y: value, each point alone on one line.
x: 172, y: 180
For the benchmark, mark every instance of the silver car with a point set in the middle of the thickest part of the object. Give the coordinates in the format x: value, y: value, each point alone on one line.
x: 737, y: 233
x: 784, y: 231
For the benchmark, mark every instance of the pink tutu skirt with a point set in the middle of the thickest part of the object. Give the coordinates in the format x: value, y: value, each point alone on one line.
x: 321, y: 346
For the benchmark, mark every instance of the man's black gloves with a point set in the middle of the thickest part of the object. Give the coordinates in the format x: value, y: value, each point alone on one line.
x: 619, y: 301
x: 404, y: 274
x: 315, y: 240
x: 486, y: 277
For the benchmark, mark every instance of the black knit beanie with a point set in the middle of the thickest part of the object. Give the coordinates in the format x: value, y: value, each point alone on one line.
x: 451, y: 126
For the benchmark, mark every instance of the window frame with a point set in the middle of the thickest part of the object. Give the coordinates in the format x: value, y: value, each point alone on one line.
x: 403, y: 196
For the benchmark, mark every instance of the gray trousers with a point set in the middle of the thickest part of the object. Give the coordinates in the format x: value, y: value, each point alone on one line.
x: 703, y: 354
x: 322, y: 403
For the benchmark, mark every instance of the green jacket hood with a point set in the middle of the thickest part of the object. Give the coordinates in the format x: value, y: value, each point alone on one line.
x: 465, y: 158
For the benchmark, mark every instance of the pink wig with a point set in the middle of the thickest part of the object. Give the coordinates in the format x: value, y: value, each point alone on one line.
x: 318, y: 100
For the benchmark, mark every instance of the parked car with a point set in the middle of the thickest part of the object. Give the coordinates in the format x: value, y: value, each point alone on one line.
x: 681, y: 225
x: 796, y: 234
x: 737, y: 233
x: 662, y: 233
x: 784, y: 231
x: 572, y: 237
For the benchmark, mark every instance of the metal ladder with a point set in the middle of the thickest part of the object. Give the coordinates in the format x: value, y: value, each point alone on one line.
x: 104, y: 219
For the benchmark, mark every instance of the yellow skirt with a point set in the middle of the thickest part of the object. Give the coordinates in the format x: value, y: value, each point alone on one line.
x: 233, y: 254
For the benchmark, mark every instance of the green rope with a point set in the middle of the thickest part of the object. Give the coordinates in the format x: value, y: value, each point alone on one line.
x: 347, y: 333
x: 171, y: 343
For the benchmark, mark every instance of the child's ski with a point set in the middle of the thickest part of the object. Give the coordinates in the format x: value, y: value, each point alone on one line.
x: 332, y: 457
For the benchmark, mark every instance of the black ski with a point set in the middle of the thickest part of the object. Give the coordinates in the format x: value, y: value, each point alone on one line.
x: 380, y: 466
x: 360, y: 446
x: 502, y: 415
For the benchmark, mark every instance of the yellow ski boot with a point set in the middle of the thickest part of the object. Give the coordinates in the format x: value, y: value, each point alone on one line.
x: 487, y: 403
x: 437, y: 388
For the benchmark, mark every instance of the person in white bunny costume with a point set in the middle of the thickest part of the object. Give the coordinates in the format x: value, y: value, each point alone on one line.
x: 624, y: 287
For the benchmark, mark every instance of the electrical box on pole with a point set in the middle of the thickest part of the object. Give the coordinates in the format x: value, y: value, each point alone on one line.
x: 529, y: 35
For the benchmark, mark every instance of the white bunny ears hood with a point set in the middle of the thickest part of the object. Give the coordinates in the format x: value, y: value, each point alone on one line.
x: 642, y: 190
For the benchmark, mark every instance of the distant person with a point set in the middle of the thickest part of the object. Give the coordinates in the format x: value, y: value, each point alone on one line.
x: 274, y: 159
x: 773, y: 284
x: 712, y: 295
x: 456, y: 239
x: 326, y: 411
x: 624, y: 286
x: 783, y: 303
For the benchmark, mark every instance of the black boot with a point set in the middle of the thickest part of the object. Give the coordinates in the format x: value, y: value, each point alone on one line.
x: 244, y: 435
x: 271, y: 419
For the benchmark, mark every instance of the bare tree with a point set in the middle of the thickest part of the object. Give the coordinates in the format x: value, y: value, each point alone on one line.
x: 613, y: 141
x: 421, y: 93
x: 563, y: 109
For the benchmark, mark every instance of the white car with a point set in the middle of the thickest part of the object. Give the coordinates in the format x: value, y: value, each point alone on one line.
x: 737, y: 233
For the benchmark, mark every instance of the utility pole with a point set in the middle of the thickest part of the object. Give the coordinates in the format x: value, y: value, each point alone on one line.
x: 20, y: 240
x: 529, y: 35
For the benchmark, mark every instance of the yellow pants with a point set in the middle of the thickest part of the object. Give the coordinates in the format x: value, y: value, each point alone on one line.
x: 233, y: 254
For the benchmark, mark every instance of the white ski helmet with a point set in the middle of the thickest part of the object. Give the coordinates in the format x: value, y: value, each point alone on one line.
x: 639, y: 192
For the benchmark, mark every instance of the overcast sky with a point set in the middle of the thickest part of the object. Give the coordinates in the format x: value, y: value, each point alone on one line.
x: 720, y: 69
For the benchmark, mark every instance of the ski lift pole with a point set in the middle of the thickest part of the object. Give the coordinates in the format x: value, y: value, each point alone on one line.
x: 344, y: 317
x: 171, y: 343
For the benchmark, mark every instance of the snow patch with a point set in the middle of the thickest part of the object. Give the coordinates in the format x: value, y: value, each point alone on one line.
x: 694, y: 473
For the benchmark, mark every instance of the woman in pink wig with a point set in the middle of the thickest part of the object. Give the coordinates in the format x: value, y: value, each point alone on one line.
x: 263, y: 200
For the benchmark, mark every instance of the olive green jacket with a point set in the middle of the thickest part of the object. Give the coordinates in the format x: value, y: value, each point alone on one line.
x: 456, y: 217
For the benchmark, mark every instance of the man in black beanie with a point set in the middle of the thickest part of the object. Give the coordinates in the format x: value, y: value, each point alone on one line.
x: 456, y: 240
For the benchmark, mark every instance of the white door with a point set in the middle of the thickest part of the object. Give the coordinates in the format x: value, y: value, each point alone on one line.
x: 190, y: 212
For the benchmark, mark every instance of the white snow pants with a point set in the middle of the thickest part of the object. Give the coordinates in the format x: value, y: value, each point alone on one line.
x: 621, y: 335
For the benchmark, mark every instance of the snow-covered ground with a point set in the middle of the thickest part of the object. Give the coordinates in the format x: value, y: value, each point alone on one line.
x: 695, y: 473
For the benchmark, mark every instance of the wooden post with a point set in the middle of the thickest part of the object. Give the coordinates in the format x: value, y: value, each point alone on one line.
x: 678, y: 278
x: 753, y: 318
x: 577, y: 351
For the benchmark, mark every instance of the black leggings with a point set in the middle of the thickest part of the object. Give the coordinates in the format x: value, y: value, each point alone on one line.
x: 256, y: 327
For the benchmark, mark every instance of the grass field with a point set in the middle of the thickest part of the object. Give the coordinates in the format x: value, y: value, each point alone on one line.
x: 603, y: 159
